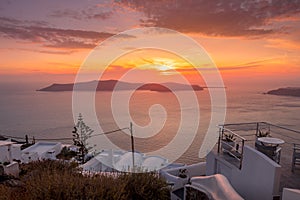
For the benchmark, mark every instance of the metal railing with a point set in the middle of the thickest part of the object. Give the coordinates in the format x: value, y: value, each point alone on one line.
x: 249, y: 132
x: 231, y: 143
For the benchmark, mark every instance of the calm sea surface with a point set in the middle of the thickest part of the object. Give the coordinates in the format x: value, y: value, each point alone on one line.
x: 49, y: 115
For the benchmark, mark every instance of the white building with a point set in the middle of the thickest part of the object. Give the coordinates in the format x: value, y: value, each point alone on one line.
x: 242, y: 171
x: 117, y: 160
x: 9, y: 153
x: 41, y: 151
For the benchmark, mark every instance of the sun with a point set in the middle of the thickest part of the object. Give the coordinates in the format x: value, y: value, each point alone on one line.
x: 164, y: 67
x: 164, y: 64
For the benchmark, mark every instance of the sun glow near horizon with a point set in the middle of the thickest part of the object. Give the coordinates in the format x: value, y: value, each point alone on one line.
x: 55, y: 41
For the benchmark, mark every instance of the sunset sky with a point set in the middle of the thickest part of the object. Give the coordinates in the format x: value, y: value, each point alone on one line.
x: 47, y: 41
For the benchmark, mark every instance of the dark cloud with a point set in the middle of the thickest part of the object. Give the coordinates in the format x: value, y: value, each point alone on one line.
x: 207, y: 67
x: 71, y: 44
x: 247, y: 65
x: 89, y: 13
x: 50, y: 37
x: 237, y: 67
x: 60, y: 52
x: 66, y: 13
x: 103, y: 15
x: 6, y: 20
x: 215, y: 17
x: 9, y: 20
x: 46, y: 31
x: 55, y: 52
x: 227, y: 68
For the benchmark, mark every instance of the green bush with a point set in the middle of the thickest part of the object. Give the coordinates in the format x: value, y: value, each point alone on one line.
x: 63, y: 180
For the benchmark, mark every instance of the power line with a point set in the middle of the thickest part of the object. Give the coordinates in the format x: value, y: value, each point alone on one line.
x: 67, y: 138
x: 109, y: 132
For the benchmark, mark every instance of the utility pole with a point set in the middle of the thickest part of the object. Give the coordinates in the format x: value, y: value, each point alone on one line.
x: 132, y: 146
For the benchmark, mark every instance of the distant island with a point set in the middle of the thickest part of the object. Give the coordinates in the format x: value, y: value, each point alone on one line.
x: 109, y: 85
x: 288, y: 91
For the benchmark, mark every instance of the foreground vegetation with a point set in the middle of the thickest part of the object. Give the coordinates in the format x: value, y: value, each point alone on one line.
x: 63, y: 180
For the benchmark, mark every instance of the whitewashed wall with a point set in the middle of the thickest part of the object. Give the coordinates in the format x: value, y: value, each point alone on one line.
x: 290, y: 194
x: 259, y: 177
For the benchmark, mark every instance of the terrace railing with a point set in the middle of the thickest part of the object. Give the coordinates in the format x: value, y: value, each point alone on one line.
x: 231, y: 143
x: 232, y: 137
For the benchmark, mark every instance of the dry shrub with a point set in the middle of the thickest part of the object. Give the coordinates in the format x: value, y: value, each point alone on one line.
x: 63, y: 180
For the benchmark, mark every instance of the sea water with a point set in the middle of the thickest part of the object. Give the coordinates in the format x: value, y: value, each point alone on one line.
x: 48, y: 115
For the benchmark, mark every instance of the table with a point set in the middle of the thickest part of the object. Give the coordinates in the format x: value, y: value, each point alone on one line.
x: 270, y: 141
x: 269, y: 147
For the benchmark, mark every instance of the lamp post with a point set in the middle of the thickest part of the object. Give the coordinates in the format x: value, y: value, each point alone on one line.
x: 132, y: 145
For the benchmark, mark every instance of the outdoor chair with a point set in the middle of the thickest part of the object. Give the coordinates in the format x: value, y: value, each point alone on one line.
x: 272, y: 152
x: 296, y: 156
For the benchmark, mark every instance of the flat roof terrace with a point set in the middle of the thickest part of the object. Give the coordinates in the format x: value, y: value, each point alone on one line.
x: 249, y: 132
x: 41, y: 147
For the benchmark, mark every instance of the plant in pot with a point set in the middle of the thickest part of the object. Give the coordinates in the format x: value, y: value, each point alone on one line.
x: 182, y: 173
x: 228, y: 142
x: 262, y: 133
